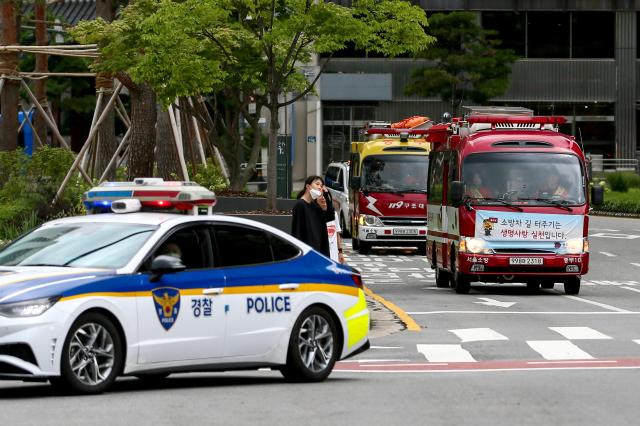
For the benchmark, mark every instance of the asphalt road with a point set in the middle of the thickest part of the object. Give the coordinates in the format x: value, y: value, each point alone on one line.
x: 495, y: 356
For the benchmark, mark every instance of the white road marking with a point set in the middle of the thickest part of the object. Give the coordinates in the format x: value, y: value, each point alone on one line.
x: 386, y: 347
x: 637, y: 341
x: 632, y: 289
x: 636, y: 264
x: 558, y: 349
x: 375, y: 360
x: 604, y: 229
x: 528, y: 312
x: 445, y: 353
x: 478, y: 334
x: 591, y: 302
x: 576, y: 333
x: 600, y: 361
x: 615, y: 236
x: 493, y: 302
x: 607, y: 254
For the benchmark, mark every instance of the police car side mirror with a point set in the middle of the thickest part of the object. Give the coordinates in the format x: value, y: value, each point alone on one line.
x: 457, y: 190
x: 354, y: 182
x: 165, y: 264
x: 597, y: 195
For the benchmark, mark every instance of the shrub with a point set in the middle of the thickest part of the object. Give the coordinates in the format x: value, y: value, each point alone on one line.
x: 622, y: 181
x: 209, y: 177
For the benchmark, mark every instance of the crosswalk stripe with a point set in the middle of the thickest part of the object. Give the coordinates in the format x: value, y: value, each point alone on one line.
x: 478, y: 334
x: 558, y: 349
x: 575, y: 333
x: 445, y: 353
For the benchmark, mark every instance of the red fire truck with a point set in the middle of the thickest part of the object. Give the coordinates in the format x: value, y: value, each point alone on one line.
x: 388, y: 185
x: 507, y: 201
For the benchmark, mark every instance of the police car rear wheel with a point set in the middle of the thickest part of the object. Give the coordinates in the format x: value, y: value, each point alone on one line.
x: 91, y: 355
x: 312, y: 347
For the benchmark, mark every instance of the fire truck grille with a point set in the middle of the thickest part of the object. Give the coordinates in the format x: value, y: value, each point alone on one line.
x: 404, y: 221
x: 523, y: 251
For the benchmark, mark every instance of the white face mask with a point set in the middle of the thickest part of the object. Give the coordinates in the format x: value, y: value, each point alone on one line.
x: 315, y: 193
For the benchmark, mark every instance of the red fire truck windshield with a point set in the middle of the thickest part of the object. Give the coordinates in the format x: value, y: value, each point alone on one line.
x: 395, y: 173
x: 524, y: 178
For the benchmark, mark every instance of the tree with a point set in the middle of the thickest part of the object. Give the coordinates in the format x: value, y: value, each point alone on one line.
x: 468, y: 64
x: 271, y: 40
x: 9, y: 65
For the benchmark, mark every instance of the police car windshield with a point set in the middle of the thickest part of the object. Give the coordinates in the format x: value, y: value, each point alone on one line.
x: 393, y: 173
x: 86, y: 245
x: 524, y: 178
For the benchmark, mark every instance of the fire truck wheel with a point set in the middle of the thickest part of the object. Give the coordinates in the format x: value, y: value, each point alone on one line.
x: 364, y: 248
x: 442, y: 278
x: 572, y: 285
x: 461, y: 283
x: 343, y: 226
x: 355, y: 242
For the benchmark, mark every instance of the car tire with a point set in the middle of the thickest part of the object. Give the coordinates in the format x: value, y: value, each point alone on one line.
x: 572, y: 285
x: 461, y: 283
x: 364, y: 248
x: 443, y: 278
x: 311, y: 358
x: 92, y: 355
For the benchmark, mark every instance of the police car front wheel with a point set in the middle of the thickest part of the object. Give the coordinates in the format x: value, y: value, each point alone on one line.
x: 92, y: 355
x: 313, y: 347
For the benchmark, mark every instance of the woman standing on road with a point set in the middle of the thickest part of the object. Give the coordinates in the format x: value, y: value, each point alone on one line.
x: 311, y: 214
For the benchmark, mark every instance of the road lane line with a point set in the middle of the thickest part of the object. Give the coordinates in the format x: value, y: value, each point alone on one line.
x: 577, y: 333
x: 636, y: 264
x: 637, y: 341
x: 398, y: 311
x: 558, y: 349
x: 386, y: 347
x: 607, y: 254
x: 604, y: 229
x: 478, y: 334
x: 632, y: 289
x: 586, y: 361
x: 445, y: 353
x: 527, y: 312
x: 364, y: 361
x: 592, y: 302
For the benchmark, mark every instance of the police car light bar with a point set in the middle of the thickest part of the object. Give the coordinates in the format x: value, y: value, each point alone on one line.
x: 516, y: 119
x: 150, y: 193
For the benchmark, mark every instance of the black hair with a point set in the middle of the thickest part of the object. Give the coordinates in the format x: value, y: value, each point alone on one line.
x: 308, y: 181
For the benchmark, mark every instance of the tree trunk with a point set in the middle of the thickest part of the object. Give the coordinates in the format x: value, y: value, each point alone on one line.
x: 107, y: 133
x: 40, y: 9
x: 9, y: 66
x: 143, y: 133
x: 166, y: 153
x: 272, y: 169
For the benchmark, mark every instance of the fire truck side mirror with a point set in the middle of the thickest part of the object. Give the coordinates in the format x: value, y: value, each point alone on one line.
x: 457, y: 191
x: 597, y: 195
x: 354, y: 182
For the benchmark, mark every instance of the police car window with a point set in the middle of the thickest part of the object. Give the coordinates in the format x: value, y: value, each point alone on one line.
x: 282, y: 249
x: 331, y: 175
x: 83, y: 244
x: 241, y: 245
x: 191, y: 245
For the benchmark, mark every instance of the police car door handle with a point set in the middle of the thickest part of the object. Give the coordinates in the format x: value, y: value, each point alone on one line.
x: 289, y: 286
x: 213, y: 291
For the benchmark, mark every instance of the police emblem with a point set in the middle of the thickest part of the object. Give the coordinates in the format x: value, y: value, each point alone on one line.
x: 167, y: 304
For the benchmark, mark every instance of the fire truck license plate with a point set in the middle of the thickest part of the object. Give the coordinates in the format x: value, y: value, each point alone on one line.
x: 401, y: 231
x: 525, y: 261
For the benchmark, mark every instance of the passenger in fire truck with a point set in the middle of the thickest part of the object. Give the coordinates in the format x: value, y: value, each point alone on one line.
x: 554, y: 187
x: 477, y: 189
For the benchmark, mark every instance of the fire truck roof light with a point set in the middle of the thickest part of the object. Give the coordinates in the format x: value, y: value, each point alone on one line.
x: 396, y: 132
x: 516, y: 119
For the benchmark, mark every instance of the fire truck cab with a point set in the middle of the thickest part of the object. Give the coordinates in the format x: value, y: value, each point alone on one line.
x: 508, y: 201
x: 388, y: 193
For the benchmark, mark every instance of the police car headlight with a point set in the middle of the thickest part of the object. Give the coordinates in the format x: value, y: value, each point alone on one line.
x: 29, y: 308
x: 577, y: 246
x: 474, y: 246
x: 369, y: 220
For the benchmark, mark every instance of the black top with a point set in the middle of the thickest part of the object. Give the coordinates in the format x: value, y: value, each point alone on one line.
x: 309, y: 224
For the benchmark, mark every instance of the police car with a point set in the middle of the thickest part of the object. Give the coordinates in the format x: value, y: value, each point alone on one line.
x: 86, y: 299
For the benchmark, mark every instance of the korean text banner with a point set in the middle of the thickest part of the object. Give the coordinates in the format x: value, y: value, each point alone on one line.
x: 500, y: 226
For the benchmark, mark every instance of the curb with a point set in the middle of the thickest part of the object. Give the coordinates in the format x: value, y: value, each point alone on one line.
x: 408, y: 322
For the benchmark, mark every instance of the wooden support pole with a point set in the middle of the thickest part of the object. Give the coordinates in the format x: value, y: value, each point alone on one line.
x: 178, y: 141
x: 28, y: 121
x: 122, y: 146
x: 87, y: 144
x: 85, y: 159
x: 47, y: 118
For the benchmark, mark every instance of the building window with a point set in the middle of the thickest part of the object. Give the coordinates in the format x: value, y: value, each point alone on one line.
x: 593, y: 34
x: 510, y: 28
x: 548, y: 34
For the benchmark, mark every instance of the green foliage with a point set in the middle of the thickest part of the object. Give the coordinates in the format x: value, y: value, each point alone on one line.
x: 621, y: 202
x: 209, y: 177
x: 468, y: 62
x: 28, y: 186
x: 622, y: 181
